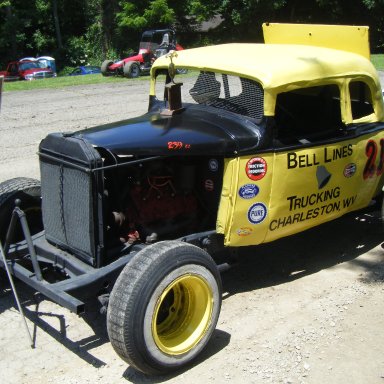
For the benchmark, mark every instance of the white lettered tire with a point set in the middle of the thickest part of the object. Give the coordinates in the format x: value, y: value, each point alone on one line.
x: 164, y: 307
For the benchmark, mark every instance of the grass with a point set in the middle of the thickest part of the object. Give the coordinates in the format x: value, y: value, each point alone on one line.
x: 378, y: 61
x: 64, y: 81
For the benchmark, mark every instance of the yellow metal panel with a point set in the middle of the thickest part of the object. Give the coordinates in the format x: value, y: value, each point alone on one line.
x: 273, y: 65
x: 228, y: 196
x: 343, y: 37
x: 269, y: 196
x: 243, y: 213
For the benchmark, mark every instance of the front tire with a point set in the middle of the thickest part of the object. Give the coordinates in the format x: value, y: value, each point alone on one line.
x: 105, y: 67
x: 164, y: 307
x: 29, y: 192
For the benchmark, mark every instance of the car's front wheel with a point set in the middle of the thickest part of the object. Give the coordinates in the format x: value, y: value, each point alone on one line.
x: 164, y: 307
x: 28, y: 192
x: 105, y: 67
x: 131, y: 70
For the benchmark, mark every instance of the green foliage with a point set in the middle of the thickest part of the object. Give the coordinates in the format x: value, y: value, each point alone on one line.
x: 133, y: 16
x: 89, y: 31
x: 40, y: 41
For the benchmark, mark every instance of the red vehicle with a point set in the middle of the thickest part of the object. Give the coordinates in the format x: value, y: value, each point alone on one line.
x: 25, y: 70
x: 153, y: 44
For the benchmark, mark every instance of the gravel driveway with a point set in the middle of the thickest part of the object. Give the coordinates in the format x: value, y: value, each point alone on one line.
x: 306, y: 309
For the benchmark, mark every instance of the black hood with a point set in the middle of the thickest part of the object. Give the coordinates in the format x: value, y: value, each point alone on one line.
x: 194, y: 131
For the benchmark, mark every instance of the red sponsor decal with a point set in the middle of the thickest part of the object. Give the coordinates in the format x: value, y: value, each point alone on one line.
x: 256, y: 168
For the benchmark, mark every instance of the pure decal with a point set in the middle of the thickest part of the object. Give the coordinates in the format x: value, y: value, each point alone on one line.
x: 257, y: 213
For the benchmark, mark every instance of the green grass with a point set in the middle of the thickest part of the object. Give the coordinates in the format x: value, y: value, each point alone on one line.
x: 65, y: 81
x: 378, y: 61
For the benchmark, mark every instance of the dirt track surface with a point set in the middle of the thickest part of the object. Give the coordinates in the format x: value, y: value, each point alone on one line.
x: 307, y: 309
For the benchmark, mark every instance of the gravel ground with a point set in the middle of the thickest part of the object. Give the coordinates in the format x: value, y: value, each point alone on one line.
x: 306, y: 309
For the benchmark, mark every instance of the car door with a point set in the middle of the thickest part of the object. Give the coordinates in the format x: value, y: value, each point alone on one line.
x: 323, y: 167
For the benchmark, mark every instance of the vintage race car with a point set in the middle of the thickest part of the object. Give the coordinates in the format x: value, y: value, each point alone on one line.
x: 138, y: 213
x: 154, y: 43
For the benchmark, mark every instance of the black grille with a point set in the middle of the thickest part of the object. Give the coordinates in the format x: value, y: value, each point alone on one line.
x: 69, y: 198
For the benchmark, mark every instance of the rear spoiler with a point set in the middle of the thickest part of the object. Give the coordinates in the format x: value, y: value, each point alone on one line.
x: 1, y: 88
x: 342, y: 37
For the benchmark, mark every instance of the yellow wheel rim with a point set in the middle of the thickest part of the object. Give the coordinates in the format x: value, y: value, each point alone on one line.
x: 182, y: 314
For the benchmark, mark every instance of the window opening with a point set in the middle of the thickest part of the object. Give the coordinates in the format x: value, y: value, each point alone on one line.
x: 361, y: 99
x: 308, y: 115
x: 222, y: 91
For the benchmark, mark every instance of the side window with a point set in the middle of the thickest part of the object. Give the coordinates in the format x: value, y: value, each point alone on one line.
x: 231, y: 93
x: 13, y: 68
x: 308, y: 115
x: 361, y: 99
x: 222, y: 91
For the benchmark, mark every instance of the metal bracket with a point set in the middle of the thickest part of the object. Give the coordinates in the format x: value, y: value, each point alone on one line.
x: 19, y: 214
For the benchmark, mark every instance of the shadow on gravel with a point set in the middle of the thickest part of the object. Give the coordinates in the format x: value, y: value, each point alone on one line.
x: 80, y: 348
x: 219, y: 341
x: 30, y: 301
x: 294, y: 257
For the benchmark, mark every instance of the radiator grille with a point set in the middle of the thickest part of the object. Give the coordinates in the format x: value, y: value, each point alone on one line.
x: 67, y: 208
x: 68, y: 204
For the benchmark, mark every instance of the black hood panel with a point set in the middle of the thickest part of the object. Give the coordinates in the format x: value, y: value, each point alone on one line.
x: 194, y: 131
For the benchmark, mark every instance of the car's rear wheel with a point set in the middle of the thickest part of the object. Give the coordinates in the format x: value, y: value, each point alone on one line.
x: 131, y: 70
x: 105, y: 67
x: 29, y: 193
x: 164, y: 307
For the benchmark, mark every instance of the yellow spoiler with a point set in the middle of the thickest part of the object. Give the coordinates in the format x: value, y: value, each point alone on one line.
x: 348, y: 38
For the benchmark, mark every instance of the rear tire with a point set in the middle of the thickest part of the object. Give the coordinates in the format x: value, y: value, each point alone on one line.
x: 29, y: 192
x: 164, y: 307
x: 131, y: 70
x: 105, y: 67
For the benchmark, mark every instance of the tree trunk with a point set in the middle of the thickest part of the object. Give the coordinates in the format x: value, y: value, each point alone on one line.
x: 11, y: 34
x: 57, y: 24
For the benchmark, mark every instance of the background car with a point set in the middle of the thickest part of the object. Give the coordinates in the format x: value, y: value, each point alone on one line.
x: 26, y: 70
x: 85, y: 70
x: 154, y: 43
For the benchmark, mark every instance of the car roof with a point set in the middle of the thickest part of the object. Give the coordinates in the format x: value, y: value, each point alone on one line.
x: 274, y: 65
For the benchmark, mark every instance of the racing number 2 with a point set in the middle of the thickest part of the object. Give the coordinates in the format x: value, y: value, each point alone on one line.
x: 371, y: 150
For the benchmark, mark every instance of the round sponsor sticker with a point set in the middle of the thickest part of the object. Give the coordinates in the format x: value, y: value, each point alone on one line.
x: 257, y: 213
x: 248, y: 191
x: 213, y: 165
x: 256, y: 168
x: 350, y: 170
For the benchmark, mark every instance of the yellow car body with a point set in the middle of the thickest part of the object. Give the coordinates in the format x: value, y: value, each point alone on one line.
x: 320, y: 172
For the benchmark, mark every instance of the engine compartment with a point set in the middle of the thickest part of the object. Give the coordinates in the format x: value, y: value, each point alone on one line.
x: 164, y: 198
